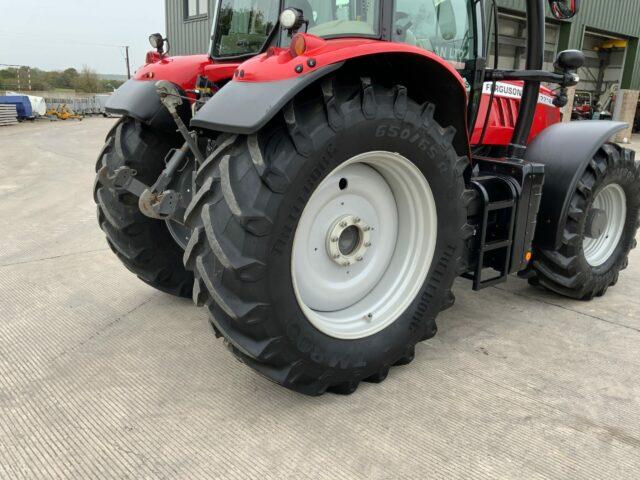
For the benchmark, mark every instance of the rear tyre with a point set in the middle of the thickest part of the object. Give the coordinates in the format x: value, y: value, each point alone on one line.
x: 600, y: 229
x: 144, y: 245
x: 351, y: 203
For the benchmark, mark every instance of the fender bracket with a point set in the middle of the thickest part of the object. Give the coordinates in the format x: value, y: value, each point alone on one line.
x: 138, y: 99
x: 246, y: 107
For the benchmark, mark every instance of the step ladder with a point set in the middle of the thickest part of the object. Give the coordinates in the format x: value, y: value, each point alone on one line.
x: 498, y: 199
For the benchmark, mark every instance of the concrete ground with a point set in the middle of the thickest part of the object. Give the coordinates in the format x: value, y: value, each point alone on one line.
x: 103, y: 377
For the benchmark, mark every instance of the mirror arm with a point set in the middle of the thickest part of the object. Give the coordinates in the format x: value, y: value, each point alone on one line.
x: 562, y: 79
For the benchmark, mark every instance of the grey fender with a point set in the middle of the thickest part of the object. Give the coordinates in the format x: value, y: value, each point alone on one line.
x: 138, y: 99
x: 246, y: 107
x: 565, y: 150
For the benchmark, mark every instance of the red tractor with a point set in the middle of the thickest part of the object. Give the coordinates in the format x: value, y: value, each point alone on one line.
x: 331, y: 167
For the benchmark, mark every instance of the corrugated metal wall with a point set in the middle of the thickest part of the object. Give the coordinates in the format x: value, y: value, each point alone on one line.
x: 190, y: 36
x: 615, y: 16
x: 619, y: 17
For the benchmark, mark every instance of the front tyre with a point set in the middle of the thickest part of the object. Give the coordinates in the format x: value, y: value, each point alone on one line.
x: 600, y: 228
x: 325, y: 245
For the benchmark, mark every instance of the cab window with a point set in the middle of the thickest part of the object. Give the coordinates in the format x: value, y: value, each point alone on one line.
x: 243, y: 26
x: 329, y: 18
x: 444, y: 27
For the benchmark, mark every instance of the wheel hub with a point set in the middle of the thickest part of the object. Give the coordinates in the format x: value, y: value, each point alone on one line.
x: 604, y: 224
x: 364, y: 244
x: 342, y: 256
x: 348, y: 240
x: 596, y: 223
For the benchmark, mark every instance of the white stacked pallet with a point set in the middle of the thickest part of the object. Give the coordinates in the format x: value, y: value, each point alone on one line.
x: 8, y: 115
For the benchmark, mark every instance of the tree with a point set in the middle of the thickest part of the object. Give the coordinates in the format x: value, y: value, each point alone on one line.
x: 109, y: 86
x: 87, y: 81
x: 67, y: 79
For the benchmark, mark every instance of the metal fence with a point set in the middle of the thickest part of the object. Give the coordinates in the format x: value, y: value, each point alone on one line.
x: 79, y: 105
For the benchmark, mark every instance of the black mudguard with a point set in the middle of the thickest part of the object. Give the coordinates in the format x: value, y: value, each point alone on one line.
x: 138, y: 99
x: 565, y: 149
x: 246, y: 107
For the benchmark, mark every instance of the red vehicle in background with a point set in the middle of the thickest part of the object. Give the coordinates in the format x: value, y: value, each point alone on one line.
x: 331, y: 167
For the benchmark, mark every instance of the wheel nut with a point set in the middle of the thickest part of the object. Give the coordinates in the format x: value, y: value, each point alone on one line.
x: 334, y: 239
x: 367, y: 244
x: 343, y: 224
x: 367, y: 228
x: 356, y: 220
x: 358, y: 259
x: 346, y: 264
x: 336, y: 255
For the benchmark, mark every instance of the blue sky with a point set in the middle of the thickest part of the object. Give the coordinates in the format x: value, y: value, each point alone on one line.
x: 55, y: 34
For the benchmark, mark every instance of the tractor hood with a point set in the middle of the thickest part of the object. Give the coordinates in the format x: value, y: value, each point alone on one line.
x: 184, y: 70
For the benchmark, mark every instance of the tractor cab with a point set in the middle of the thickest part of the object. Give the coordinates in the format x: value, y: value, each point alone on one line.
x: 448, y: 28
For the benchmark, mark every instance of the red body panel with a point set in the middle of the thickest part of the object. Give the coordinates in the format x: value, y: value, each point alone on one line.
x: 184, y: 71
x: 279, y: 64
x: 504, y: 113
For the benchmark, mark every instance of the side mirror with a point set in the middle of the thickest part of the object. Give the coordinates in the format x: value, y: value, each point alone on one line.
x: 564, y: 9
x: 569, y: 60
x: 446, y: 16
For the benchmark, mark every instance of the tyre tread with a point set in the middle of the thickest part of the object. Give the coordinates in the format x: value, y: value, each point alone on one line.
x: 248, y: 190
x: 142, y: 244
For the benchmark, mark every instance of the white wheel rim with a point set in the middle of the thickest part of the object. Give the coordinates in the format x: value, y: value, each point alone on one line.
x: 613, y: 201
x: 362, y: 291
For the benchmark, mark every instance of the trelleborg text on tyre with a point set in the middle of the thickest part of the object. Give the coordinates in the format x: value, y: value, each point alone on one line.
x: 325, y: 245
